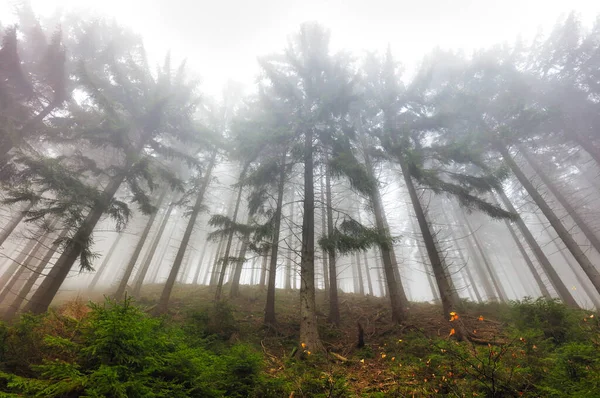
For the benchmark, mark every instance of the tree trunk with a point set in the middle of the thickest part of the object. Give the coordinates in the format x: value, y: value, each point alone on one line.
x: 104, y: 265
x: 10, y: 227
x: 380, y: 274
x: 555, y: 280
x: 147, y: 261
x: 581, y: 223
x: 309, y: 332
x: 288, y: 262
x: 426, y: 268
x: 437, y: 265
x: 23, y: 262
x: 395, y: 290
x: 367, y: 272
x: 558, y: 226
x: 163, y: 302
x: 334, y: 308
x: 36, y: 272
x: 41, y: 299
x: 270, y: 304
x: 138, y: 249
x: 239, y: 266
x: 263, y: 271
x: 497, y: 285
x: 17, y: 263
x: 324, y: 229
x: 215, y: 269
x: 200, y: 261
x: 230, y: 238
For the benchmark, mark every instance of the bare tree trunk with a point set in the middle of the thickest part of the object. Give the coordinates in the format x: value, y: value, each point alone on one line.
x: 239, y: 266
x: 334, y: 307
x: 367, y: 272
x: 497, y: 285
x: 216, y: 262
x: 309, y: 332
x: 288, y: 263
x: 138, y: 249
x: 10, y: 227
x: 263, y: 271
x: 23, y: 262
x: 147, y: 261
x: 581, y: 223
x: 558, y: 226
x: 104, y: 265
x: 380, y: 274
x: 31, y: 245
x: 43, y: 296
x: 426, y: 267
x: 270, y: 304
x: 36, y: 272
x: 230, y: 238
x: 324, y: 230
x: 200, y: 262
x: 163, y: 302
x: 441, y: 277
x: 555, y: 280
x: 395, y: 290
x: 465, y: 266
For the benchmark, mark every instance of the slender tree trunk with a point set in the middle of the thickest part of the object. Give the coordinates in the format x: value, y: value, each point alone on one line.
x: 361, y: 284
x: 556, y: 281
x: 230, y: 238
x: 12, y: 224
x: 270, y: 304
x: 558, y: 226
x: 581, y: 223
x: 334, y: 308
x: 215, y: 269
x: 437, y: 265
x: 536, y: 276
x: 324, y: 229
x: 395, y: 290
x: 488, y: 265
x: 138, y: 249
x: 426, y: 267
x: 263, y: 271
x: 163, y: 254
x: 43, y: 296
x: 465, y: 266
x: 380, y: 274
x: 36, y: 272
x: 288, y: 263
x: 24, y: 261
x: 163, y: 302
x: 309, y: 332
x: 147, y: 261
x: 200, y: 261
x: 31, y: 245
x: 239, y: 266
x: 367, y: 272
x: 105, y: 261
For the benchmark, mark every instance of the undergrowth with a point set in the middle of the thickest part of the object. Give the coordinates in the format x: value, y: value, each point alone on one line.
x: 531, y: 348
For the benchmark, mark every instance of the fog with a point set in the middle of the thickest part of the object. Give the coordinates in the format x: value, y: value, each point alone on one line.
x: 411, y: 155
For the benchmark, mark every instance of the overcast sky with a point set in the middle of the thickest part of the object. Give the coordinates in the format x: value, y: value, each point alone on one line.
x: 222, y: 38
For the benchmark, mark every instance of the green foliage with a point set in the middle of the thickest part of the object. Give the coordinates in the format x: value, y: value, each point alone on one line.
x: 119, y: 351
x: 351, y: 236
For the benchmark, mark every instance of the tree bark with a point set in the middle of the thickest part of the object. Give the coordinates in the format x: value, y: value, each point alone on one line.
x: 555, y: 280
x: 215, y: 269
x: 395, y: 290
x: 581, y: 223
x: 41, y: 299
x: 497, y: 284
x: 10, y: 227
x: 200, y: 261
x: 334, y: 307
x: 138, y: 249
x: 104, y: 264
x: 147, y: 261
x: 309, y: 332
x: 36, y: 272
x: 367, y: 271
x: 324, y: 229
x: 221, y: 281
x: 288, y: 262
x: 239, y: 266
x: 270, y: 304
x: 441, y: 277
x: 17, y: 262
x: 558, y: 226
x: 163, y: 302
x: 426, y: 268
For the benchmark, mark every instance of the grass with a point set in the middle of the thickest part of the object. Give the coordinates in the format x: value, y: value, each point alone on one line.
x: 531, y: 348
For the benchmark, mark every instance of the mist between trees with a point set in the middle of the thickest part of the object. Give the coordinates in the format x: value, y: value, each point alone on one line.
x: 477, y: 178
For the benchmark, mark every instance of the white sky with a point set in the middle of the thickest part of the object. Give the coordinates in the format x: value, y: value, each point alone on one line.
x: 222, y: 38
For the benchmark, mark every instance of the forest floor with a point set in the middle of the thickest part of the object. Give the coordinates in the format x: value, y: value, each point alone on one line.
x: 526, y: 349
